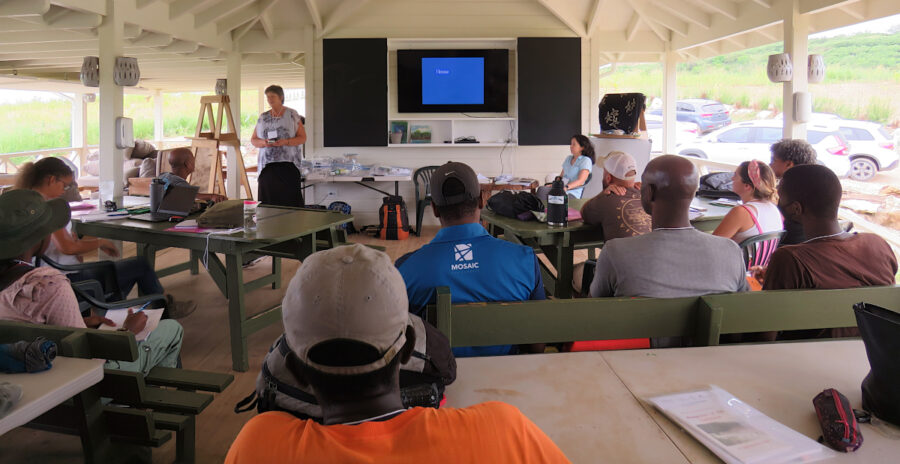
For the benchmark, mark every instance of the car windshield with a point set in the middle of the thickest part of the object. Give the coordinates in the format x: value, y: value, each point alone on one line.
x: 884, y: 132
x: 713, y: 108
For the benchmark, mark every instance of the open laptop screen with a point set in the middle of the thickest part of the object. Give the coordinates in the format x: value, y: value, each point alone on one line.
x: 178, y: 200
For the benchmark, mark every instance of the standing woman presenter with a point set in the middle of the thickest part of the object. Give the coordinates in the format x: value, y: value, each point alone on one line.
x: 279, y: 134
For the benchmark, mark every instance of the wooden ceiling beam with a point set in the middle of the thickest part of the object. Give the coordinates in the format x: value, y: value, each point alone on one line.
x: 632, y: 28
x: 726, y: 8
x: 691, y: 15
x: 559, y: 9
x: 341, y: 13
x: 17, y: 8
x: 179, y: 8
x: 594, y: 17
x: 218, y: 11
x: 313, y: 10
x: 642, y: 9
x: 236, y: 19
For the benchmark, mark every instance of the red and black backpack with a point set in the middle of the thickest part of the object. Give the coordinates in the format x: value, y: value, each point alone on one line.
x: 393, y: 220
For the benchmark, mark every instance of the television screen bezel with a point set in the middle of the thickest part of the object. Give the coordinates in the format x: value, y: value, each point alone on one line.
x: 496, y: 81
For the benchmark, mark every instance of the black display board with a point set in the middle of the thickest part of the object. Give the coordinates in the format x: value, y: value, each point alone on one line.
x: 549, y: 81
x: 354, y: 92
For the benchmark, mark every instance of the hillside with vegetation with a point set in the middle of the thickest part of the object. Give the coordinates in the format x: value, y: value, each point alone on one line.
x: 862, y: 78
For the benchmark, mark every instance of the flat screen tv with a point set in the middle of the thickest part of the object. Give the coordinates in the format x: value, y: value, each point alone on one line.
x: 452, y: 81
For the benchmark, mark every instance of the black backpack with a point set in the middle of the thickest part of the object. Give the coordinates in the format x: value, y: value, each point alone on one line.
x: 422, y: 379
x: 717, y: 185
x: 510, y: 204
x: 393, y: 220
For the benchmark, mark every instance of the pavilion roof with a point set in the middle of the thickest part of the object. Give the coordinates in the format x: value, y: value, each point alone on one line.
x: 182, y: 44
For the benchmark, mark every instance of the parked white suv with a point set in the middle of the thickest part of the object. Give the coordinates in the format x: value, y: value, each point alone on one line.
x: 871, y: 148
x: 751, y: 140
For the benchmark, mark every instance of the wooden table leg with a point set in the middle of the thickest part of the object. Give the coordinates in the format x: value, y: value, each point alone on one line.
x: 195, y: 262
x: 234, y: 278
x: 276, y: 271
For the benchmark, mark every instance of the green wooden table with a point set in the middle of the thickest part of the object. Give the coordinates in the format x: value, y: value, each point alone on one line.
x: 282, y: 233
x: 559, y: 243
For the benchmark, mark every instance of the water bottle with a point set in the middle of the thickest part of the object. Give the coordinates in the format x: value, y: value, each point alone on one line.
x: 250, y: 215
x: 557, y: 204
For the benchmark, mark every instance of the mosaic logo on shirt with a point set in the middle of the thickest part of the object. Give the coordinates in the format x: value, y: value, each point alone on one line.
x: 463, y: 257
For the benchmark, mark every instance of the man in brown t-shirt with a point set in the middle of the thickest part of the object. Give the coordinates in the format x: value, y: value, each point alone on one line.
x: 617, y: 210
x: 829, y: 258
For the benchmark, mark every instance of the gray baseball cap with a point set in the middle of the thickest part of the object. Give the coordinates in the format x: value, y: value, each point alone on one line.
x: 461, y: 172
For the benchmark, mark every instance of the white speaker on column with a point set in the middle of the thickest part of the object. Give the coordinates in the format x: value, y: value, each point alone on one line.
x: 802, y: 107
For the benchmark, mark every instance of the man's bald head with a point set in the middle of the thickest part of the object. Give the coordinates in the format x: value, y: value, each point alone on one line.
x: 181, y: 160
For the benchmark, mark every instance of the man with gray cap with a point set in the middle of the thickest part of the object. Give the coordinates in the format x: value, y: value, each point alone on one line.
x: 674, y: 259
x: 464, y: 257
x: 347, y: 326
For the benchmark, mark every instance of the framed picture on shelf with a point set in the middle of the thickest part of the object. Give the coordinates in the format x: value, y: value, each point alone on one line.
x: 399, y: 132
x: 419, y: 134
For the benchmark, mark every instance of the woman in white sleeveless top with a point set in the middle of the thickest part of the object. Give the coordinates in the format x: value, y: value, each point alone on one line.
x: 754, y: 182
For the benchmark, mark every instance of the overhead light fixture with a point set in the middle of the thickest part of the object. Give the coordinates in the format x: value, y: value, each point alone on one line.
x: 780, y: 68
x: 815, y: 69
x: 127, y: 73
x: 90, y: 71
x: 90, y: 97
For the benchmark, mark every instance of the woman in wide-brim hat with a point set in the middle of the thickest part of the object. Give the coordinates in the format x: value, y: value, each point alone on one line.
x: 43, y: 295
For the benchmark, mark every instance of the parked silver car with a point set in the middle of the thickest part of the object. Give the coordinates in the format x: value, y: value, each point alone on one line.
x: 871, y: 148
x: 750, y: 140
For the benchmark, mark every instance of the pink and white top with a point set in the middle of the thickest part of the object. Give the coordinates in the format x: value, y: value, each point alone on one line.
x: 41, y: 296
x: 766, y: 218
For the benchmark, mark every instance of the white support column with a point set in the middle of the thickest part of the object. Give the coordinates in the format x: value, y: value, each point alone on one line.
x: 261, y: 100
x: 233, y: 75
x: 670, y: 96
x: 796, y: 41
x: 110, y: 34
x: 79, y: 128
x: 158, y: 122
x: 309, y: 86
x: 594, y: 88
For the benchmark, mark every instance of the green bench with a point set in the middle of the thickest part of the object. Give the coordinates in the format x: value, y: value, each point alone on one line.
x: 554, y: 321
x: 145, y: 409
x: 704, y: 319
x: 778, y: 310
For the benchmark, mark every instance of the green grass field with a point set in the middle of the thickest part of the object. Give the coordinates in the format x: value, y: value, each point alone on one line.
x: 42, y: 125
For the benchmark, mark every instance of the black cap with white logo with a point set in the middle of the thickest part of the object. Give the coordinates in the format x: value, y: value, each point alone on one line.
x: 469, y: 190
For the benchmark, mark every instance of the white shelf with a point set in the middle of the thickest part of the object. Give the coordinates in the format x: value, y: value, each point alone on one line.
x: 450, y: 118
x: 445, y: 145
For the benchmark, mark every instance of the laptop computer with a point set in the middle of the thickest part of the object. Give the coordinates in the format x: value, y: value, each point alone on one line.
x: 178, y: 201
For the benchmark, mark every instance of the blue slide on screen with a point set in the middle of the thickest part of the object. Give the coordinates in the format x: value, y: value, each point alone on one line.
x: 453, y: 81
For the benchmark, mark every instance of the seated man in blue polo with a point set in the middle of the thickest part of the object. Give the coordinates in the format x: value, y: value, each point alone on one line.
x: 464, y: 257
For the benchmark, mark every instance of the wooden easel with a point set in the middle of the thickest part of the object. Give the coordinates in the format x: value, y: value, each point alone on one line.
x: 205, y: 146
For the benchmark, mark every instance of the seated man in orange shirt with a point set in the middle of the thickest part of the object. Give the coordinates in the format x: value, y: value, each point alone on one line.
x: 346, y: 321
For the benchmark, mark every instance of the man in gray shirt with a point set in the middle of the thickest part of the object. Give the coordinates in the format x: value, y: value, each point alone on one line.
x: 674, y: 259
